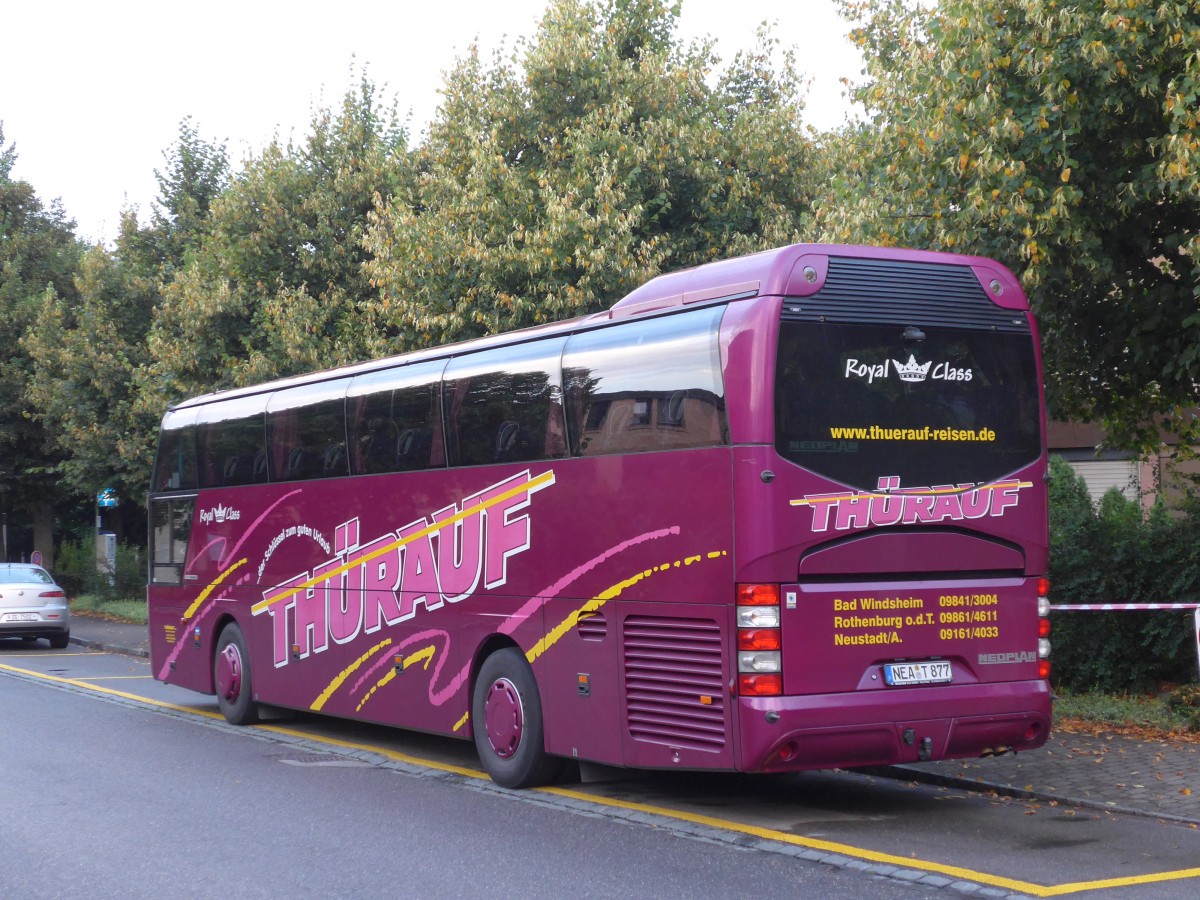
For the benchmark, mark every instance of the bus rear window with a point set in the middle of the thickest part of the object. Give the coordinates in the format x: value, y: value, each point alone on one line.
x: 934, y: 406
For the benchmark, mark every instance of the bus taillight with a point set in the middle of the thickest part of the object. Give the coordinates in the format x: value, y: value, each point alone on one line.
x: 758, y: 639
x: 1043, y: 611
x: 759, y: 644
x: 760, y: 685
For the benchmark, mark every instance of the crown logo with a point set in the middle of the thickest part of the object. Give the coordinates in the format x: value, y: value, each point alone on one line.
x: 221, y: 511
x: 912, y: 370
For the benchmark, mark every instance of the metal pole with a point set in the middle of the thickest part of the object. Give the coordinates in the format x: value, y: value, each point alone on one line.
x: 1198, y: 635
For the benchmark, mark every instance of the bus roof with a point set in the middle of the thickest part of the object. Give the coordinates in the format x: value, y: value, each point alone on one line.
x: 796, y: 270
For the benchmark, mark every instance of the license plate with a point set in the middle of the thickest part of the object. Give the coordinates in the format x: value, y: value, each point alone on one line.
x: 918, y: 673
x: 21, y: 617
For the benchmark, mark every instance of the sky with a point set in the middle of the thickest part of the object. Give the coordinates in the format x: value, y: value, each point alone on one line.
x: 92, y: 93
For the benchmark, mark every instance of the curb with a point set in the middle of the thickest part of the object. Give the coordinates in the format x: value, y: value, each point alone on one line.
x: 904, y: 773
x: 896, y: 773
x: 111, y: 648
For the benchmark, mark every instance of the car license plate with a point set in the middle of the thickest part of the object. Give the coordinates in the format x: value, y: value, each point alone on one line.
x: 21, y: 617
x: 918, y: 673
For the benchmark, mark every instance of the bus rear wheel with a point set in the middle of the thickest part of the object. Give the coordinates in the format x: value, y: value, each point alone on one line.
x: 506, y: 718
x: 231, y: 675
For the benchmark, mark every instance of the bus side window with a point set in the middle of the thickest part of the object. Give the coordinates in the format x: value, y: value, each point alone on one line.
x: 646, y: 385
x: 170, y: 528
x: 505, y: 405
x: 307, y: 441
x: 232, y: 451
x: 395, y: 420
x: 175, y: 466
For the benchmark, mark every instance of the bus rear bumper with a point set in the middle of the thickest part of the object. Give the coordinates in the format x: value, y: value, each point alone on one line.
x: 878, y: 728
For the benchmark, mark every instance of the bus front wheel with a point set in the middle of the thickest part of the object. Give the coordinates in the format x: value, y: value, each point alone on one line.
x: 231, y: 675
x: 506, y: 719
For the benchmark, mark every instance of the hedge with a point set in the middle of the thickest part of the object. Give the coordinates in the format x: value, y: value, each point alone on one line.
x: 1114, y: 553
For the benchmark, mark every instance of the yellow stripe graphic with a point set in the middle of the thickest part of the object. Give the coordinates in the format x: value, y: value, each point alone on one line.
x: 904, y: 492
x: 346, y: 673
x: 191, y: 610
x: 564, y: 627
x: 541, y: 481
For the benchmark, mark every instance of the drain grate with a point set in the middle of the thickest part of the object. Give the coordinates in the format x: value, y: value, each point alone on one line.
x: 322, y: 759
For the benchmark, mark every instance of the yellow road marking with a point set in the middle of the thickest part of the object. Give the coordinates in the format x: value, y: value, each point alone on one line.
x: 849, y: 850
x: 117, y: 678
x: 863, y: 853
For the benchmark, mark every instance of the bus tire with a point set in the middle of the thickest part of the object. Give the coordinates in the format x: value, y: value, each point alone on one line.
x: 231, y: 676
x: 506, y: 717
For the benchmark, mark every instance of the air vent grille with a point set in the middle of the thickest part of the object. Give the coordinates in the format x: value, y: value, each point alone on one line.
x: 674, y: 681
x: 906, y: 293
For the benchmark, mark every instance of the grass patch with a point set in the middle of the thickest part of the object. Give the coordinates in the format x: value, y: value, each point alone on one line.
x: 1123, y: 713
x: 133, y: 611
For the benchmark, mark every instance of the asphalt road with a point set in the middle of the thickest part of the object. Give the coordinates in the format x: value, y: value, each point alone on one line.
x: 115, y: 785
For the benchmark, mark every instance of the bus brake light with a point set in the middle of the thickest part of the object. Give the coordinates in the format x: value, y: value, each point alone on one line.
x: 759, y: 641
x: 760, y: 685
x: 758, y: 595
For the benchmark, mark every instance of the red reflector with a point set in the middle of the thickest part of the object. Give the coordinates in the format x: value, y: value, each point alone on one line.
x: 1043, y: 628
x: 758, y: 639
x: 1043, y: 587
x: 758, y: 595
x: 1043, y: 668
x: 760, y: 685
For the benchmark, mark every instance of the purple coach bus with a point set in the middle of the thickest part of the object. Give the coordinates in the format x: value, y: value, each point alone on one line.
x: 780, y: 512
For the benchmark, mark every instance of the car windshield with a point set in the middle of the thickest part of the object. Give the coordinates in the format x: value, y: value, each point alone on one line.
x: 24, y: 575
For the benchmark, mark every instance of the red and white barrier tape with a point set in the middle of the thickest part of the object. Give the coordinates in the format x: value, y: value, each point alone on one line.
x: 1115, y: 607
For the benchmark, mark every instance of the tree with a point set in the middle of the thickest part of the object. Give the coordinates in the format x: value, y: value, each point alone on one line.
x: 601, y: 153
x: 197, y: 173
x: 1059, y: 136
x: 38, y: 254
x: 277, y: 285
x: 88, y: 346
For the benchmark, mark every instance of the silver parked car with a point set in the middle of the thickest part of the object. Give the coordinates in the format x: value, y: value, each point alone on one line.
x: 32, y: 606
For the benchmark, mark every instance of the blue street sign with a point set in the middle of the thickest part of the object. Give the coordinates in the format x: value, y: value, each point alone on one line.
x: 107, y: 498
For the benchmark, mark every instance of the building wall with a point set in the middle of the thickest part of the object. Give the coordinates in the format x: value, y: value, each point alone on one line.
x: 1103, y: 474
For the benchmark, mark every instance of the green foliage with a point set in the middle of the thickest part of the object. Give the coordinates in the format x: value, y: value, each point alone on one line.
x: 1061, y: 137
x: 1184, y: 702
x: 601, y: 153
x: 197, y: 173
x: 38, y: 255
x: 75, y: 570
x: 89, y: 385
x: 1115, y: 555
x: 122, y: 610
x: 1137, y: 711
x: 277, y: 285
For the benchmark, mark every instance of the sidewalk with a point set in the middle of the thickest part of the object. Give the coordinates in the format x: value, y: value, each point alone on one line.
x: 116, y: 637
x: 1110, y: 772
